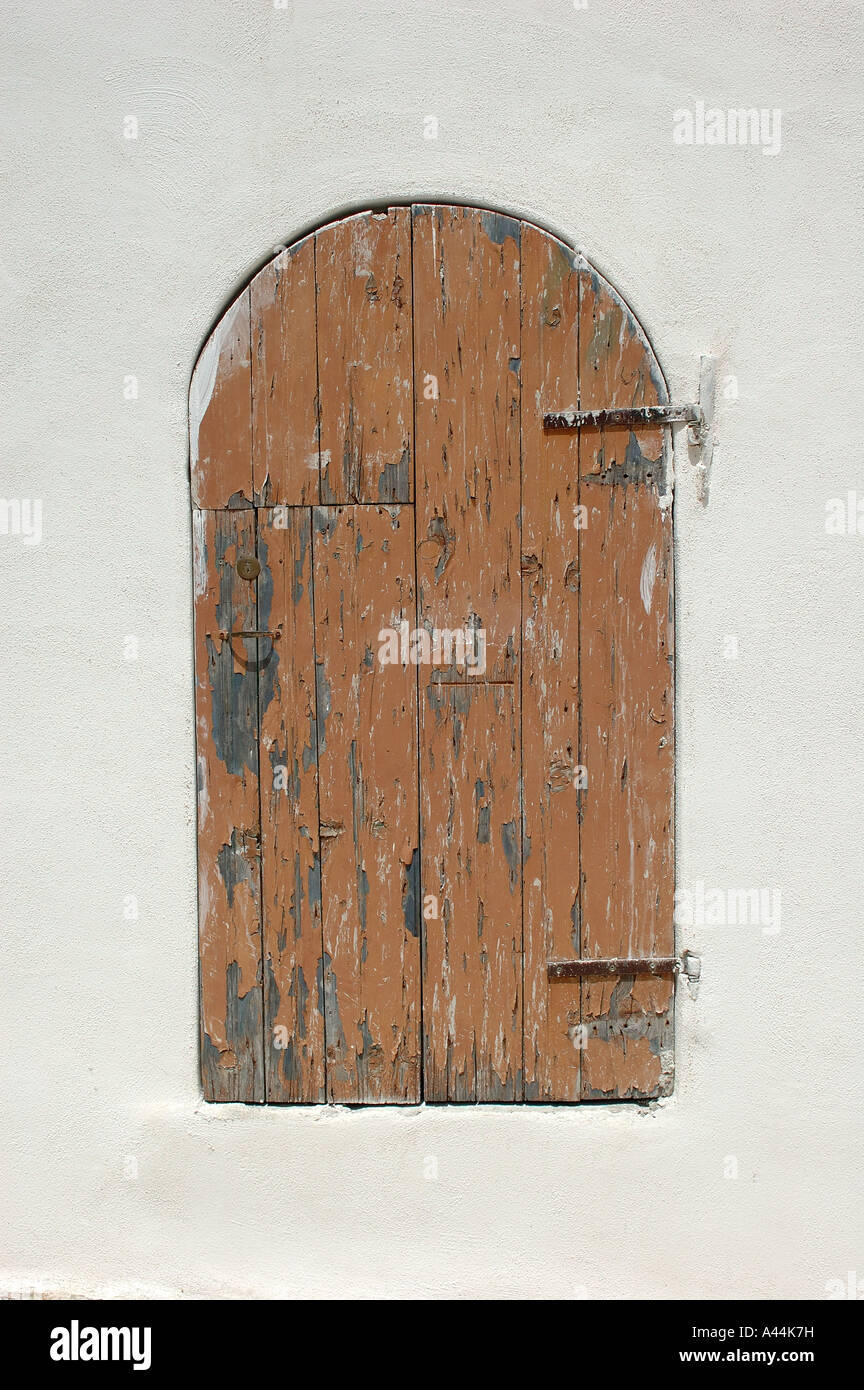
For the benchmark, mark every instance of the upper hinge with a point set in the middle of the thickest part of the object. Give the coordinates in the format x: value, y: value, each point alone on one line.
x: 625, y: 415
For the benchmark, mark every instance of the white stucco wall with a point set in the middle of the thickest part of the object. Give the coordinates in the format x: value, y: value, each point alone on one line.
x: 116, y: 256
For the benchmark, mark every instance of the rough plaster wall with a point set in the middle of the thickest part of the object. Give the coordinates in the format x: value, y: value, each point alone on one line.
x: 116, y: 256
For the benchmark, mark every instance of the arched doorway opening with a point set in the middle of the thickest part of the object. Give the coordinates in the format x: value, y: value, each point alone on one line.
x: 434, y: 645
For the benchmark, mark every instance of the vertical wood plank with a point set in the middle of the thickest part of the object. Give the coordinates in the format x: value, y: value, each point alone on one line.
x: 466, y: 382
x: 285, y: 379
x: 290, y: 860
x: 550, y: 667
x: 627, y: 635
x: 466, y: 385
x: 367, y: 742
x: 220, y: 423
x: 472, y: 871
x: 363, y: 272
x: 228, y: 820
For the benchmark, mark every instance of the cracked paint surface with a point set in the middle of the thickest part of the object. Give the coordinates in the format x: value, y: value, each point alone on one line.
x: 379, y: 908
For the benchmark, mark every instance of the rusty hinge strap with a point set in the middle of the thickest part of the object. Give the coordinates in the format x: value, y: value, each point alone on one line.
x: 626, y: 415
x: 647, y: 965
x: 250, y: 632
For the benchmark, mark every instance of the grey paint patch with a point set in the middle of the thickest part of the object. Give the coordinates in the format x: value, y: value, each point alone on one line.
x: 576, y: 927
x: 411, y: 896
x: 328, y: 1004
x: 314, y: 886
x: 296, y: 908
x: 234, y: 705
x: 510, y: 843
x: 310, y: 757
x: 234, y: 866
x: 236, y: 1073
x: 357, y: 799
x: 394, y: 482
x: 300, y: 990
x: 323, y: 703
x: 268, y: 655
x: 599, y: 284
x: 498, y: 227
x: 238, y: 502
x: 362, y: 894
x: 325, y: 521
x: 635, y: 469
x: 304, y: 537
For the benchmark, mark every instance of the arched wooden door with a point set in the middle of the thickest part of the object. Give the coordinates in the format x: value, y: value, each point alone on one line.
x: 433, y: 675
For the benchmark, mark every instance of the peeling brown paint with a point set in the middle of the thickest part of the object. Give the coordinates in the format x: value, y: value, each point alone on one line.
x: 521, y: 861
x: 363, y: 582
x: 550, y: 666
x: 228, y: 882
x: 472, y: 975
x: 363, y: 273
x: 627, y: 684
x: 290, y: 853
x: 220, y: 425
x: 285, y: 379
x: 466, y: 333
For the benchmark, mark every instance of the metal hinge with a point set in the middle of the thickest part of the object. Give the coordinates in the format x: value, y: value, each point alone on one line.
x: 626, y: 415
x: 646, y: 965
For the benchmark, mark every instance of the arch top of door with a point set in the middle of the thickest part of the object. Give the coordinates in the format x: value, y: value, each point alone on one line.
x: 304, y: 392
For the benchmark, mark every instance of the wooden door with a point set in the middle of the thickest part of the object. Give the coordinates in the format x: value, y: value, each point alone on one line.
x: 433, y: 675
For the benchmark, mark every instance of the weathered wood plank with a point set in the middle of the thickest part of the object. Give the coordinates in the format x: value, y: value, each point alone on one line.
x: 367, y: 741
x: 627, y: 634
x: 285, y: 379
x: 290, y: 859
x: 472, y: 892
x: 363, y: 273
x: 466, y: 385
x: 220, y: 423
x: 228, y: 822
x: 550, y: 667
x: 466, y: 382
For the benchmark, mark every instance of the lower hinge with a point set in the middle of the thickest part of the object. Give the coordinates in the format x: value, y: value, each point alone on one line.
x: 625, y: 415
x: 688, y: 964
